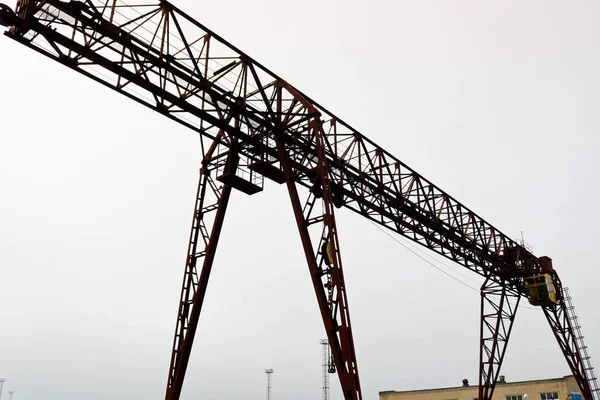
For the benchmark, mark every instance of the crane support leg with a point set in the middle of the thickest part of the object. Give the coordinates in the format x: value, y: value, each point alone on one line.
x: 324, y: 263
x: 558, y: 318
x: 211, y: 204
x: 498, y: 309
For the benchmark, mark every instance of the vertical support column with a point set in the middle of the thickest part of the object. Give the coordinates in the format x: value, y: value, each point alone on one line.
x: 558, y: 318
x: 324, y: 260
x: 325, y: 359
x: 498, y: 310
x: 209, y: 213
x: 269, y: 373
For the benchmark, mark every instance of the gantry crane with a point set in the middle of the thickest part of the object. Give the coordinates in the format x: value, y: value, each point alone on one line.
x: 253, y: 125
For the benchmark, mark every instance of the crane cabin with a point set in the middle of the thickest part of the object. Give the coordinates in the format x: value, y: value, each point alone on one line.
x: 540, y: 290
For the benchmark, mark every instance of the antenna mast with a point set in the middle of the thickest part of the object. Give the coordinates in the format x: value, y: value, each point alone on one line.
x: 269, y: 372
x: 325, y: 357
x: 1, y: 384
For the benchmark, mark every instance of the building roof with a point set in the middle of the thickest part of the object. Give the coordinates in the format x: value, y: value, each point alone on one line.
x: 463, y: 387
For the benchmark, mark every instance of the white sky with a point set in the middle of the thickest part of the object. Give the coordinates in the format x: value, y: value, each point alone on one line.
x: 495, y: 102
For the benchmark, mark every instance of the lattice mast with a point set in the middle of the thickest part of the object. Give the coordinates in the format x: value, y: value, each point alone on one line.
x: 269, y: 373
x: 253, y: 124
x: 325, y: 364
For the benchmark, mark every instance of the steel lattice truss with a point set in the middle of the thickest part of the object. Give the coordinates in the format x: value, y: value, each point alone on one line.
x: 254, y: 124
x: 174, y: 65
x: 498, y: 310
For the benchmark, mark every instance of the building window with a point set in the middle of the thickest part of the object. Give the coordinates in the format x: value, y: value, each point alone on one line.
x: 514, y: 397
x: 549, y: 396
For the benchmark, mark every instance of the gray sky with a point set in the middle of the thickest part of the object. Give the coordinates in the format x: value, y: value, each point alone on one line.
x: 495, y: 102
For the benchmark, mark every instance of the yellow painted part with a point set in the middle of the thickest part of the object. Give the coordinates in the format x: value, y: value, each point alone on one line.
x: 540, y: 290
x: 329, y: 251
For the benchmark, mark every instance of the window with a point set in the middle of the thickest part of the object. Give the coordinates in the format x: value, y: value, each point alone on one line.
x: 515, y: 397
x: 549, y: 396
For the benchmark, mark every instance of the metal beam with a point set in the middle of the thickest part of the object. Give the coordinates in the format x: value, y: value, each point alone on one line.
x: 560, y: 323
x: 498, y: 310
x: 325, y: 264
x: 194, y: 287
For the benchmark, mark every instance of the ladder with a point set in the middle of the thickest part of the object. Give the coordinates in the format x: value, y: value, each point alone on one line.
x: 580, y: 343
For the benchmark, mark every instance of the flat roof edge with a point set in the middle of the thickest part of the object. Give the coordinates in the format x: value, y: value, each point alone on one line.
x: 475, y: 386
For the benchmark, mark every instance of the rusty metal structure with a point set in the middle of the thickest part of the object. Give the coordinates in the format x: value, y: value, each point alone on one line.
x: 254, y: 125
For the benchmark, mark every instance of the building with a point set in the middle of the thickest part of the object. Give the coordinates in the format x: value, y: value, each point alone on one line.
x: 545, y: 389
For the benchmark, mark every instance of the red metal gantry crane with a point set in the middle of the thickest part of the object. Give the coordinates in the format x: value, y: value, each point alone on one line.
x: 253, y: 125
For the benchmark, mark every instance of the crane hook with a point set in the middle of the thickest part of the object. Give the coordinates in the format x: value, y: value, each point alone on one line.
x: 8, y: 16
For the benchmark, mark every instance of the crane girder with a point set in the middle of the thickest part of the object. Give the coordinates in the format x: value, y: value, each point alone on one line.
x: 165, y: 60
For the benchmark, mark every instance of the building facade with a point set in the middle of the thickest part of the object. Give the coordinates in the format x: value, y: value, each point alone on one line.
x: 546, y: 389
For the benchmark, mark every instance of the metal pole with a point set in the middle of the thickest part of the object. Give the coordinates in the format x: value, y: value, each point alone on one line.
x: 269, y: 372
x: 325, y: 361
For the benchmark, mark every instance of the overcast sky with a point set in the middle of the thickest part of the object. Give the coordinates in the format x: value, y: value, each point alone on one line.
x: 495, y: 102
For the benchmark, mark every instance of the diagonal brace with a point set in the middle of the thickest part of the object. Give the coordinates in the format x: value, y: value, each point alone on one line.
x: 498, y: 309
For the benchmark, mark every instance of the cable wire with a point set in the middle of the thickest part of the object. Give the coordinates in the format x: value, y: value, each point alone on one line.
x: 394, y: 238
